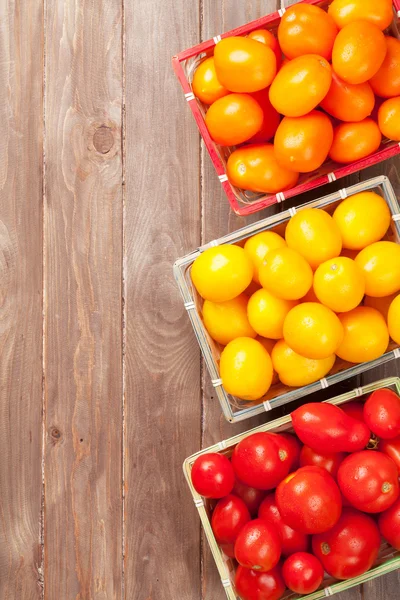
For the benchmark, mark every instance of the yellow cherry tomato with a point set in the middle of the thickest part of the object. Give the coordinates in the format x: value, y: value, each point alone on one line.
x: 206, y: 86
x: 286, y: 274
x: 222, y: 273
x: 394, y: 320
x: 313, y: 330
x: 366, y: 335
x: 258, y: 246
x: 339, y: 284
x: 267, y: 313
x: 381, y: 265
x: 246, y: 369
x: 228, y: 320
x: 295, y: 370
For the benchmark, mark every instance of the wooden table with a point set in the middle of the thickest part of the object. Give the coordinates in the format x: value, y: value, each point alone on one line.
x: 103, y: 183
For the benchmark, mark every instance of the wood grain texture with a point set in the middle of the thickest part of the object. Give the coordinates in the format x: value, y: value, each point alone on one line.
x: 21, y: 107
x: 83, y: 278
x: 162, y: 357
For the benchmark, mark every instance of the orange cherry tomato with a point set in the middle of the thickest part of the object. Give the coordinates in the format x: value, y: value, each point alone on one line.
x: 386, y: 82
x: 234, y: 119
x: 302, y: 143
x: 354, y: 141
x: 255, y: 168
x: 301, y: 85
x: 348, y: 102
x: 266, y: 37
x: 358, y: 52
x: 377, y: 12
x: 271, y: 118
x: 389, y: 119
x: 306, y: 29
x: 244, y: 65
x: 206, y: 86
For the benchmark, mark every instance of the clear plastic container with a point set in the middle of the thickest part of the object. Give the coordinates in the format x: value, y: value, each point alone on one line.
x: 234, y: 408
x: 389, y: 558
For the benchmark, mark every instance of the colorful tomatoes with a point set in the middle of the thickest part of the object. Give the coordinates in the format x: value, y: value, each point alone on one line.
x: 261, y: 460
x: 303, y: 143
x: 213, y: 476
x: 350, y: 548
x: 369, y: 481
x: 252, y: 585
x: 349, y: 102
x: 309, y: 500
x: 382, y: 414
x: 300, y: 85
x: 292, y: 541
x: 330, y: 461
x: 378, y: 13
x: 244, y: 65
x: 205, y: 83
x: 229, y: 517
x: 303, y: 573
x: 255, y: 168
x: 306, y: 29
x: 358, y: 52
x: 234, y: 119
x: 389, y: 525
x: 258, y: 546
x: 354, y: 141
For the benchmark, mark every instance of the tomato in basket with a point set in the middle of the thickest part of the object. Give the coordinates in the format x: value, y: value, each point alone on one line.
x: 213, y: 476
x: 392, y: 449
x: 294, y: 449
x: 252, y: 585
x: 228, y: 519
x: 258, y: 546
x: 292, y: 541
x: 369, y: 480
x: 330, y: 461
x: 382, y: 414
x: 262, y: 460
x: 309, y: 500
x: 303, y: 573
x: 389, y: 525
x: 351, y: 547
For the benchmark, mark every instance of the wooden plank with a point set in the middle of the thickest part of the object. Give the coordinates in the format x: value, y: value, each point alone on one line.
x: 21, y: 110
x: 83, y: 275
x: 162, y: 358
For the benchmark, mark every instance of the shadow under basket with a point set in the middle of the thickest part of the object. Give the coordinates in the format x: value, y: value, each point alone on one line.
x: 234, y: 408
x: 245, y: 202
x: 388, y: 559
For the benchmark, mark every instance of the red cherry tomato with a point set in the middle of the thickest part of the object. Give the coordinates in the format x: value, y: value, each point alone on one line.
x: 250, y: 496
x: 369, y: 481
x: 389, y: 525
x: 292, y: 541
x: 327, y: 428
x: 302, y: 573
x: 251, y: 585
x: 294, y: 450
x: 271, y: 118
x: 330, y: 461
x: 355, y: 410
x: 382, y: 414
x: 213, y: 476
x: 261, y: 460
x: 351, y: 547
x: 392, y: 449
x: 229, y: 517
x: 309, y: 500
x: 258, y: 546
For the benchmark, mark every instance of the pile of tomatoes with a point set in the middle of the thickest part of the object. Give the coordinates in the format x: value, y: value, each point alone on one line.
x: 334, y: 77
x: 292, y: 507
x: 284, y: 308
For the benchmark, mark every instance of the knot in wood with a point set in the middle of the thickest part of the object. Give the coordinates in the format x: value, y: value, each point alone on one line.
x: 55, y: 433
x: 103, y: 139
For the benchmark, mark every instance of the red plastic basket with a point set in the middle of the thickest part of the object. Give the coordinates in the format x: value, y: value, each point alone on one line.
x: 241, y: 201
